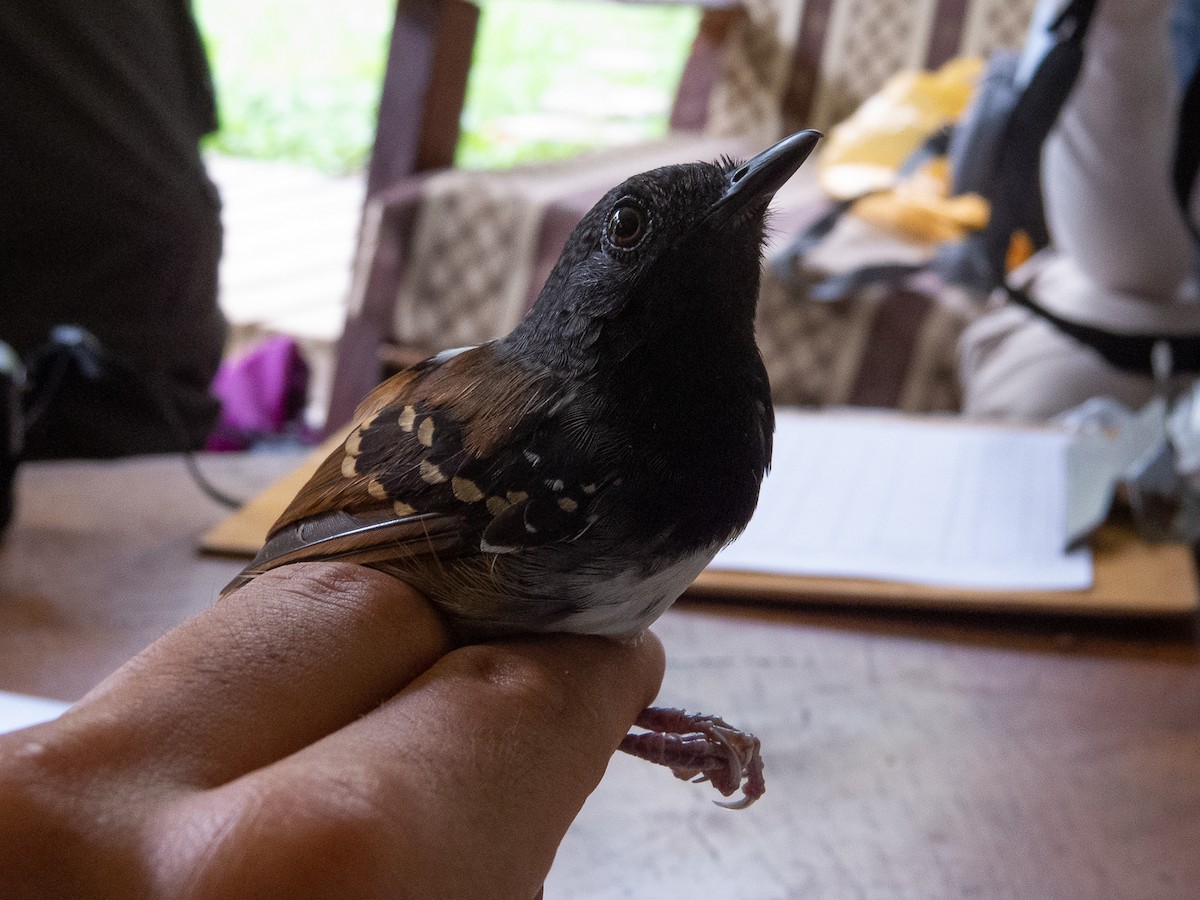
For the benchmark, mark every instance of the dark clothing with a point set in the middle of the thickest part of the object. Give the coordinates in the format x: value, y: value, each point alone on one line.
x: 107, y: 217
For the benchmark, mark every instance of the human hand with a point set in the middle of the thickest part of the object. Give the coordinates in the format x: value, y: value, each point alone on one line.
x: 314, y: 735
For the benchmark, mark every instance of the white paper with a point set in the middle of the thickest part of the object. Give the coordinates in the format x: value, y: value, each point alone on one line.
x: 924, y: 502
x: 21, y: 711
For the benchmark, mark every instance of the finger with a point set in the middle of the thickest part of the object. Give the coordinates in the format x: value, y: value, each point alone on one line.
x: 461, y: 786
x: 291, y: 657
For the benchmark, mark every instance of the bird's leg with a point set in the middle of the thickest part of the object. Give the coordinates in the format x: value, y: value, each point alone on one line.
x: 697, y: 747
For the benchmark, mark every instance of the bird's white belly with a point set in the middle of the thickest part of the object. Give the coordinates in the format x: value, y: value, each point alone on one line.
x: 627, y: 603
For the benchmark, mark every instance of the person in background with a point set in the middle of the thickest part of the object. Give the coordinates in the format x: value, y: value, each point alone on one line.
x: 108, y: 220
x: 1123, y: 256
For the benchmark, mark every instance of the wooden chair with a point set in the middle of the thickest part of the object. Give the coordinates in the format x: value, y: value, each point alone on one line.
x: 449, y: 257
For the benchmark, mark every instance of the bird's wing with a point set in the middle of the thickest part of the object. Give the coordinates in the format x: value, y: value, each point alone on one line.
x: 444, y: 460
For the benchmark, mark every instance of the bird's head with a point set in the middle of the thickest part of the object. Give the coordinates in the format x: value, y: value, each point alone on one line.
x: 669, y: 255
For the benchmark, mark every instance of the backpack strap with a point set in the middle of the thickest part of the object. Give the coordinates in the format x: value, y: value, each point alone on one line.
x: 1003, y: 138
x: 996, y: 153
x: 1016, y: 195
x: 1132, y: 352
x: 1187, y: 150
x: 789, y: 261
x: 1048, y: 90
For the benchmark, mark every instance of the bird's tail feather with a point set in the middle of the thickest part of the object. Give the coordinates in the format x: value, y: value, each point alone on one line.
x: 363, y: 538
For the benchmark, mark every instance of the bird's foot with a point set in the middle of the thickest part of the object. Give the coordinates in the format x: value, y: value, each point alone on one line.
x: 699, y: 748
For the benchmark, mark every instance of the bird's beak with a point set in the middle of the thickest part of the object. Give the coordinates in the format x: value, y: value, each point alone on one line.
x: 762, y: 176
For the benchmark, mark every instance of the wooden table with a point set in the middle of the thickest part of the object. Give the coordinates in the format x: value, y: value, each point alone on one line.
x: 908, y: 756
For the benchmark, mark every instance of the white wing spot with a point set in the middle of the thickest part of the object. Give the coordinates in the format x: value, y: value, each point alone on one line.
x: 430, y: 473
x: 466, y: 490
x: 567, y: 504
x: 348, y: 467
x: 449, y: 354
x: 408, y: 415
x: 375, y: 489
x: 425, y: 432
x: 403, y: 509
x: 495, y: 548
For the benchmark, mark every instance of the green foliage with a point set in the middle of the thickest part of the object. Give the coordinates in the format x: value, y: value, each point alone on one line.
x: 551, y: 77
x: 297, y: 80
x: 300, y: 80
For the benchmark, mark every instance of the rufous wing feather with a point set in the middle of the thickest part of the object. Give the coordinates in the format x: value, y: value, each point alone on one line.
x: 405, y: 482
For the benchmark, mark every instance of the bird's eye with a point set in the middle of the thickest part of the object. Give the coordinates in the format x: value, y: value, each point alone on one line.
x: 626, y: 226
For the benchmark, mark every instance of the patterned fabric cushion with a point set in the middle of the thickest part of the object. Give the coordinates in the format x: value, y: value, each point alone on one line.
x: 882, y: 347
x: 809, y: 63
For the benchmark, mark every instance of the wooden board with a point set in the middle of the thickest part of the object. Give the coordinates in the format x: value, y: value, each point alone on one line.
x: 1132, y: 577
x: 244, y: 532
x: 933, y: 757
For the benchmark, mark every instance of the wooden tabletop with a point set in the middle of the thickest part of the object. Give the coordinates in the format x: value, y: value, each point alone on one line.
x: 908, y: 756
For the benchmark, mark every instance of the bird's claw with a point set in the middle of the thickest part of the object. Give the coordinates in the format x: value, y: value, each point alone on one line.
x: 701, y: 748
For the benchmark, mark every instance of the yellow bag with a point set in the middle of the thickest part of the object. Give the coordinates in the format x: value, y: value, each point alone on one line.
x: 864, y: 154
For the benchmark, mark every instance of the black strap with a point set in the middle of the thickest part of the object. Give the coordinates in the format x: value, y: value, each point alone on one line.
x: 1187, y: 150
x: 1129, y: 352
x: 74, y: 349
x: 1016, y: 203
x: 1035, y: 114
x: 934, y: 146
x: 1016, y: 198
x: 1015, y: 195
x: 843, y: 284
x: 813, y: 233
x: 787, y: 262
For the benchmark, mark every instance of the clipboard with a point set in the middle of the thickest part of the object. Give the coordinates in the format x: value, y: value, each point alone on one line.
x: 1131, y: 576
x: 244, y: 532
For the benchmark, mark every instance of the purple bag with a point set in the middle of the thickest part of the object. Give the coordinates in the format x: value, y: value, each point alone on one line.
x: 263, y: 393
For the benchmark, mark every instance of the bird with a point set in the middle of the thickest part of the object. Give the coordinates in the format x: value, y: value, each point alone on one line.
x: 577, y: 474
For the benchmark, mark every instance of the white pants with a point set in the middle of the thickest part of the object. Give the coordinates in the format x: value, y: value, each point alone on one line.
x: 1122, y: 257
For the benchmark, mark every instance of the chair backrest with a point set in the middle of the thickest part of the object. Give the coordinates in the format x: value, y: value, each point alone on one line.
x: 454, y: 257
x: 791, y: 64
x: 758, y: 68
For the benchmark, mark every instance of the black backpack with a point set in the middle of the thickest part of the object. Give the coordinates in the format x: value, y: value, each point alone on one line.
x: 995, y: 151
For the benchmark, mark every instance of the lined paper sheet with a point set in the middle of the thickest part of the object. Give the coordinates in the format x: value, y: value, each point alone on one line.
x: 924, y: 502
